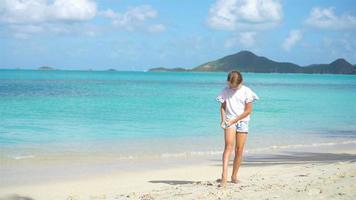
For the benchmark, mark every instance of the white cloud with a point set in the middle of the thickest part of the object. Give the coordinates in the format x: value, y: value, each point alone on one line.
x: 24, y: 31
x: 135, y: 18
x: 293, y: 37
x: 16, y: 11
x: 325, y: 18
x: 23, y: 18
x: 134, y: 15
x: 222, y: 15
x: 108, y: 13
x: 244, y: 14
x: 73, y: 10
x: 245, y: 39
x: 40, y: 11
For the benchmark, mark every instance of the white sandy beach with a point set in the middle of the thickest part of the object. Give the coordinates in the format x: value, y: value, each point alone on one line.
x: 329, y: 174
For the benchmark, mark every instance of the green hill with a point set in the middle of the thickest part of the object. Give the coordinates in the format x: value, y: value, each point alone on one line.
x: 339, y: 66
x: 246, y: 61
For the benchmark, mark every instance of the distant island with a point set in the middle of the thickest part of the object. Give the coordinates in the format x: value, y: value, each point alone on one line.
x: 246, y: 61
x: 46, y: 68
x: 162, y: 69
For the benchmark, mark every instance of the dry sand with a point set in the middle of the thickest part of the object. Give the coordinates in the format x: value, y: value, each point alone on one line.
x: 291, y: 175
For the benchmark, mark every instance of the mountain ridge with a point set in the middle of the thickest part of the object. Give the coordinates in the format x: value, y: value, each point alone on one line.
x: 246, y: 61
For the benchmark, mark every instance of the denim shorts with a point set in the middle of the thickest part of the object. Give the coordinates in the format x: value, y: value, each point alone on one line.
x: 241, y: 126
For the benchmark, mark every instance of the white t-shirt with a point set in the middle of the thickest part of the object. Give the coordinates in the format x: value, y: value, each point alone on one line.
x: 236, y: 100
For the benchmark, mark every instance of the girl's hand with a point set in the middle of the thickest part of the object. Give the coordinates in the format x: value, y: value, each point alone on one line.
x: 223, y: 125
x: 228, y: 123
x: 231, y: 122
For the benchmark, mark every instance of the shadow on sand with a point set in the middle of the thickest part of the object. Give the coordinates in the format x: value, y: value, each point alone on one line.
x: 172, y: 182
x: 16, y: 197
x: 278, y: 159
x: 294, y: 158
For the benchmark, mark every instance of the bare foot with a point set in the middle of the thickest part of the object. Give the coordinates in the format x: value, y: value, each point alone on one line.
x: 234, y: 180
x: 223, y: 183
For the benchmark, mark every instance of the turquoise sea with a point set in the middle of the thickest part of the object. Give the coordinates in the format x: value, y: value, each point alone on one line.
x: 48, y: 114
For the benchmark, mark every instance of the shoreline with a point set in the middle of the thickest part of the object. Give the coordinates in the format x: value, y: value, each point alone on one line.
x: 12, y: 155
x: 187, y: 178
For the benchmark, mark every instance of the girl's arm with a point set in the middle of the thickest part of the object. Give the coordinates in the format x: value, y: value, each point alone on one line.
x: 247, y: 111
x: 222, y: 111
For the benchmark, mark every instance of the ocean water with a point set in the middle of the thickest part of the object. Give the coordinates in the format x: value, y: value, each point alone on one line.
x: 51, y: 114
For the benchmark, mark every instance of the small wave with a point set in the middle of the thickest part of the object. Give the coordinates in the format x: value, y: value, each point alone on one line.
x: 296, y: 146
x: 274, y: 147
x: 20, y: 157
x: 188, y: 154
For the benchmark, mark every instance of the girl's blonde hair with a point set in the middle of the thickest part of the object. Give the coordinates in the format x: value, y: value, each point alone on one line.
x: 234, y: 78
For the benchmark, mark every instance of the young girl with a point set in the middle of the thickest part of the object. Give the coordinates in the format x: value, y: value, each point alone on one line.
x: 236, y: 107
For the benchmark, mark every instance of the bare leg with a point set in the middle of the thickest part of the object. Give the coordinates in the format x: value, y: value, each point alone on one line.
x: 239, y: 147
x: 229, y: 143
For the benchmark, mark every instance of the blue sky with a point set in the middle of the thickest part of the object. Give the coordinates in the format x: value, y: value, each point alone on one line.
x: 138, y: 35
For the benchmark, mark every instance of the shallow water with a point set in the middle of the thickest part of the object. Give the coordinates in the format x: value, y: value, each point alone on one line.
x: 45, y: 114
